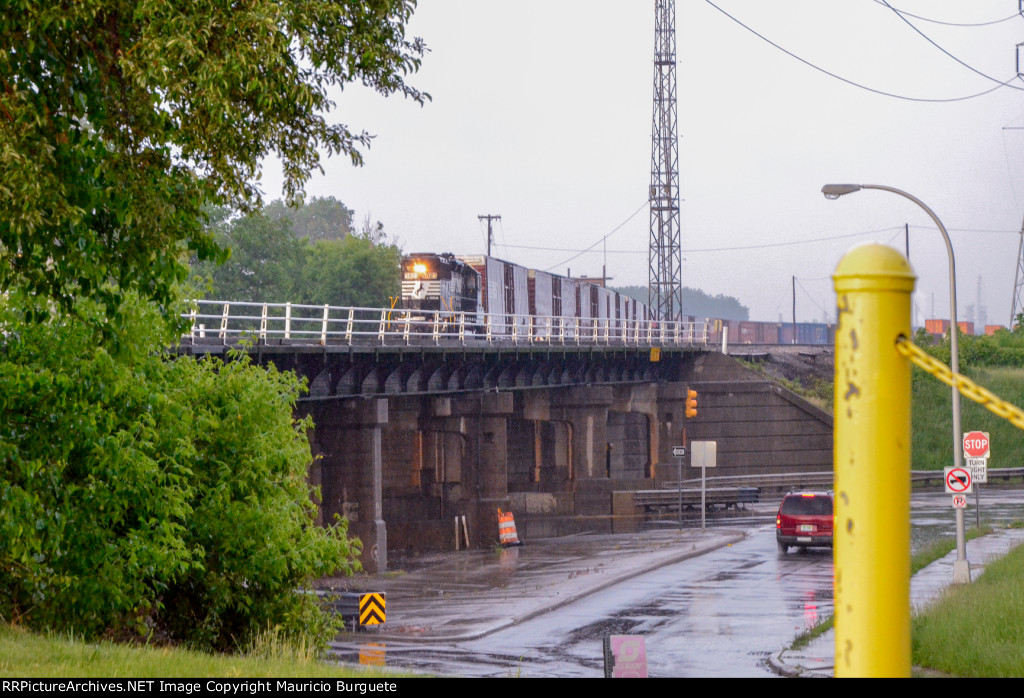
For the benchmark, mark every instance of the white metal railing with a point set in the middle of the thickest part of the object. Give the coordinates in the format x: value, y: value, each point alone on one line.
x: 231, y: 322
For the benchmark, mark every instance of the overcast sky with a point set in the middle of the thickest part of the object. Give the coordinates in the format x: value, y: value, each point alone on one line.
x: 542, y: 110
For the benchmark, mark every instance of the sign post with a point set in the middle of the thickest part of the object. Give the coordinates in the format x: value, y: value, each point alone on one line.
x: 704, y: 455
x: 958, y: 483
x: 679, y: 452
x: 977, y: 449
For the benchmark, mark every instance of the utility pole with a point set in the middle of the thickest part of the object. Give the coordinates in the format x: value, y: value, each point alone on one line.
x: 490, y: 235
x: 794, y: 310
x: 665, y: 257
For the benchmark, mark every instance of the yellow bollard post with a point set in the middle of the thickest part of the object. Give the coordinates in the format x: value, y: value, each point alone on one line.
x: 872, y: 464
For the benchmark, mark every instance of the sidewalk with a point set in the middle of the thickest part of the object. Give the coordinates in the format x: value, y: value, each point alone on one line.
x: 818, y: 658
x: 502, y: 587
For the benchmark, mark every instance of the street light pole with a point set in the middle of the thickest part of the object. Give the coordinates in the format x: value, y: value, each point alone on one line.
x: 961, y: 568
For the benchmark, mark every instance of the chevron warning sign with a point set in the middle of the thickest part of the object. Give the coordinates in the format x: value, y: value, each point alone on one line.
x: 371, y: 609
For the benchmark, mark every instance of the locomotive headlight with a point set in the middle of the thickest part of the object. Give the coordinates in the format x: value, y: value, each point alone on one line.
x: 419, y: 268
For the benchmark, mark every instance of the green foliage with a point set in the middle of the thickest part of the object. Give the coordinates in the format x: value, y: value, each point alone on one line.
x: 270, y: 264
x: 994, y: 362
x: 932, y: 418
x: 321, y: 218
x: 352, y: 271
x: 142, y: 496
x: 122, y: 118
x: 698, y: 303
x: 265, y: 264
x: 923, y: 338
x: 1000, y: 349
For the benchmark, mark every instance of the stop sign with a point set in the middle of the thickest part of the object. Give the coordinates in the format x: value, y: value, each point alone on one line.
x: 976, y: 444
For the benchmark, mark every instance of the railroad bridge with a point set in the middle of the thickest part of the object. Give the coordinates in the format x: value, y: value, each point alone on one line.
x: 423, y: 432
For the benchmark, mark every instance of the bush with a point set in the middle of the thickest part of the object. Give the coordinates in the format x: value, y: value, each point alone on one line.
x: 142, y: 496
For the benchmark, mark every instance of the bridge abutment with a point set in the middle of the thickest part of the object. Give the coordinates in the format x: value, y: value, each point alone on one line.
x: 348, y: 465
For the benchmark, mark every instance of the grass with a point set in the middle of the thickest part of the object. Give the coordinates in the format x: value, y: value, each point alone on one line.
x: 28, y: 654
x: 816, y: 391
x: 918, y: 561
x: 804, y: 638
x: 932, y: 418
x: 977, y: 629
x: 940, y: 548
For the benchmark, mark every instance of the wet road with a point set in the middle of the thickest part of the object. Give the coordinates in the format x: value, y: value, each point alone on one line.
x: 719, y: 614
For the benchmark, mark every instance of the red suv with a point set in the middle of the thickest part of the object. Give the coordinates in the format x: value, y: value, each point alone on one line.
x: 804, y: 520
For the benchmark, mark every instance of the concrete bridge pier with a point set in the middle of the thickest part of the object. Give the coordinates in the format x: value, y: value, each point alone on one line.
x: 445, y: 458
x: 490, y: 448
x: 348, y: 468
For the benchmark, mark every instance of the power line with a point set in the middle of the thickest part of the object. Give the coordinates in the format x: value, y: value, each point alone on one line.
x: 930, y: 41
x: 706, y: 249
x: 968, y: 230
x: 949, y: 24
x: 600, y: 240
x: 851, y: 82
x: 808, y: 294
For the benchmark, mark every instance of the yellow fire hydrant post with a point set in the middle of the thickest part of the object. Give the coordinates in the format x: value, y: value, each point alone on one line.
x: 872, y: 464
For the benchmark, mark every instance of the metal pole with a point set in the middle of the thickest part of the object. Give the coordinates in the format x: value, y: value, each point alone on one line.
x: 873, y: 286
x: 680, y: 483
x: 961, y: 567
x: 703, y: 493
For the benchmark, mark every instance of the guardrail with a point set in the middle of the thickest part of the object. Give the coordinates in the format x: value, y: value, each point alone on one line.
x: 289, y: 323
x: 824, y: 480
x: 669, y: 500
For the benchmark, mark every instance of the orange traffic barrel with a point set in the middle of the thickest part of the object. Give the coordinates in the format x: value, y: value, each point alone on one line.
x: 507, y: 535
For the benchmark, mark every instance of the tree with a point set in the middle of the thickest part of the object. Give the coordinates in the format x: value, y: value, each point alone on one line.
x: 351, y: 272
x: 698, y: 303
x: 269, y: 264
x: 321, y: 218
x: 122, y: 118
x: 140, y: 496
x: 265, y: 262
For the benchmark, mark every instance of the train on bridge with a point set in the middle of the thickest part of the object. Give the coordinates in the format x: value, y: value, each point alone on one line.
x: 481, y: 286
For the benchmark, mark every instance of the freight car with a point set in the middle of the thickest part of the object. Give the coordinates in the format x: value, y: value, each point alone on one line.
x: 751, y: 332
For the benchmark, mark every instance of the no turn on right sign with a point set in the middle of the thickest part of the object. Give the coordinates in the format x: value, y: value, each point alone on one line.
x: 958, y: 480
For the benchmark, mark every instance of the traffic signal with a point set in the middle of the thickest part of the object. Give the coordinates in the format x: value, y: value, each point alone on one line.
x: 691, y: 403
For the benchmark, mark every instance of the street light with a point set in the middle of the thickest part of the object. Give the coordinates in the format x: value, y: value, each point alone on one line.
x: 961, y: 568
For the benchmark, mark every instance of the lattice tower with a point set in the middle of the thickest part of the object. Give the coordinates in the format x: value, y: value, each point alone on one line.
x: 665, y: 256
x: 1018, y: 282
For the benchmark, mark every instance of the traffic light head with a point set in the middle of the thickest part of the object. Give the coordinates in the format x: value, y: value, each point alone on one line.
x: 691, y: 403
